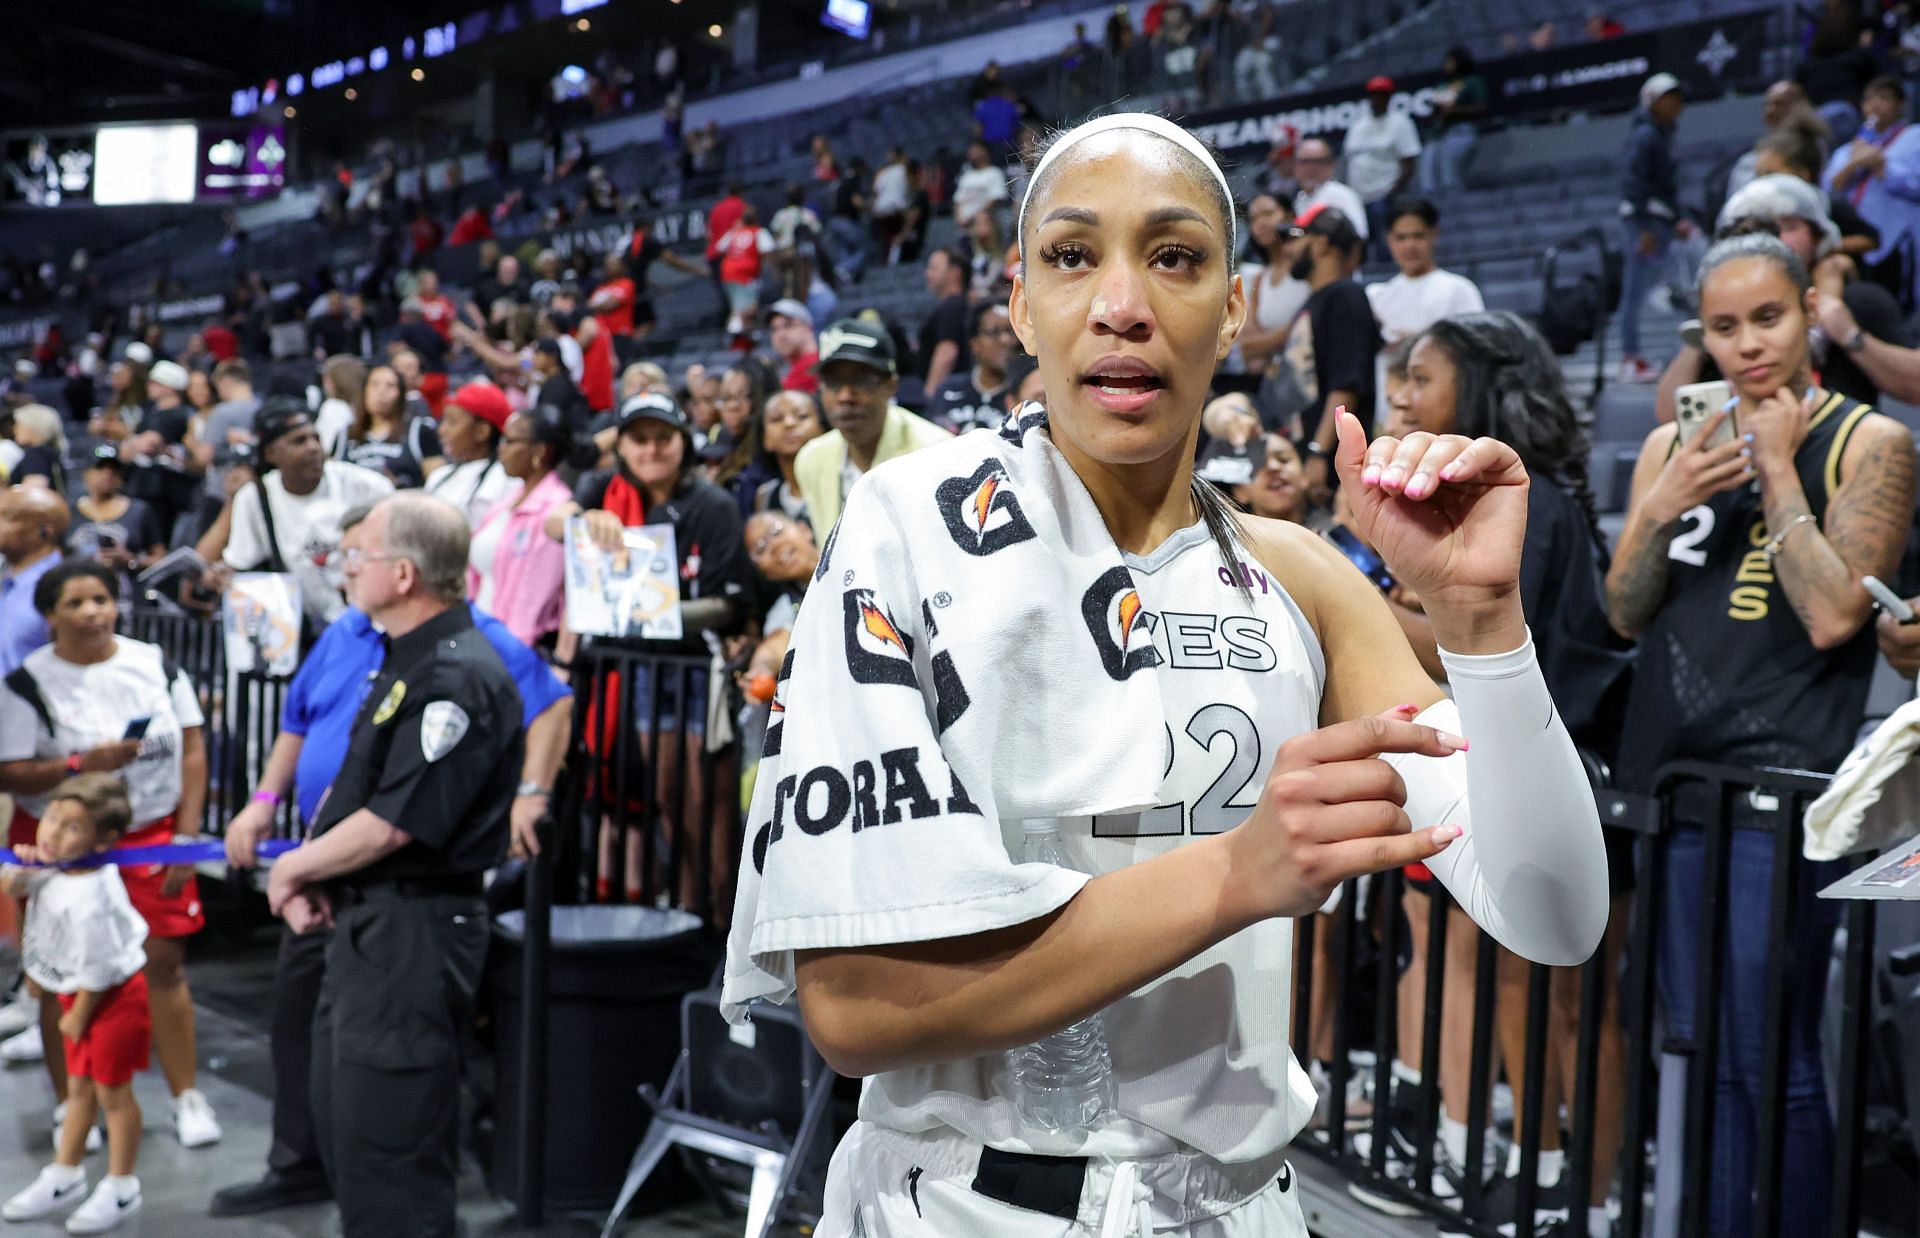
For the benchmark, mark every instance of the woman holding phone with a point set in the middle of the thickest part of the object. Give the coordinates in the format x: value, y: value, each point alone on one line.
x: 1739, y: 573
x: 92, y: 700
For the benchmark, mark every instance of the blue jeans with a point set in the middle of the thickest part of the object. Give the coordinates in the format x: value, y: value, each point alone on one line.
x: 847, y: 243
x: 1807, y: 1168
x: 1377, y: 250
x: 1640, y: 276
x: 1443, y: 161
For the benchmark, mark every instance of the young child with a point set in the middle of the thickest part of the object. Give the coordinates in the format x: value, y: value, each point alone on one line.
x: 84, y: 941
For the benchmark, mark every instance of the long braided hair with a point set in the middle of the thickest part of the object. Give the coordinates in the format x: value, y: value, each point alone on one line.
x: 1508, y: 386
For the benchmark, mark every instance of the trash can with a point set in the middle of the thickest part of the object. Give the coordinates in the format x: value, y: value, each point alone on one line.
x: 615, y: 980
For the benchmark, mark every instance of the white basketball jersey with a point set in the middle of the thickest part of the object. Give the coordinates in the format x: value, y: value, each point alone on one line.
x: 1200, y: 1056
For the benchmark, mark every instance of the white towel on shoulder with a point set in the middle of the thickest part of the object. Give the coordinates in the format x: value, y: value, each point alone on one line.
x: 964, y: 650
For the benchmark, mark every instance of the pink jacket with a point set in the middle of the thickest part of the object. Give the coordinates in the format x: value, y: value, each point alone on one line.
x: 529, y: 568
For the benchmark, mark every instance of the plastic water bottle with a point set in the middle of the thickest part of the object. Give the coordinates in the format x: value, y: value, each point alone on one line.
x: 1064, y: 1082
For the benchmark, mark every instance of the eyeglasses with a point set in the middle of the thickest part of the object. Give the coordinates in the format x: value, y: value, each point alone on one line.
x: 764, y: 542
x: 355, y: 558
x: 995, y: 333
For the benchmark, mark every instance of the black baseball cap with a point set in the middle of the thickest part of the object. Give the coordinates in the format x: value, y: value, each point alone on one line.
x: 656, y: 406
x: 279, y: 416
x: 106, y: 455
x: 852, y: 339
x: 1330, y: 222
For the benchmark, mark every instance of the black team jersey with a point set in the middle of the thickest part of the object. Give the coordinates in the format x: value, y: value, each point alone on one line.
x: 1727, y: 672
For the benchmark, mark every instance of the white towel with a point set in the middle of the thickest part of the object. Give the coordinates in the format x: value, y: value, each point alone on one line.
x: 964, y: 650
x: 1874, y: 798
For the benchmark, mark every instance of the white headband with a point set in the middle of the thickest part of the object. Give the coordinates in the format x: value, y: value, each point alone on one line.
x: 1160, y: 127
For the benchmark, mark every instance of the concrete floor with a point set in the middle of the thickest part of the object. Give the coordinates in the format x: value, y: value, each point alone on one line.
x: 177, y: 1183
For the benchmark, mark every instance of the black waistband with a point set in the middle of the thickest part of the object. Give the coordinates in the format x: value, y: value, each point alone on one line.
x: 470, y: 885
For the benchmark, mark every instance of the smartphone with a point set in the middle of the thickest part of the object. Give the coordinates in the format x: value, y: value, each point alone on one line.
x: 1889, y: 601
x: 1362, y: 556
x: 1695, y: 404
x: 137, y: 729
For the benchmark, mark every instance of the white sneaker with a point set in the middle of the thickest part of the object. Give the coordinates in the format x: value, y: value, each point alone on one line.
x: 59, y: 1124
x: 193, y: 1120
x: 104, y: 1209
x: 25, y: 1047
x: 56, y: 1187
x: 19, y: 1014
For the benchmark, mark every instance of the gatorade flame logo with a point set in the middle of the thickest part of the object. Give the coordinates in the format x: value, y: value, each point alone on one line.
x: 877, y: 650
x: 1120, y: 624
x: 777, y: 712
x: 880, y: 627
x: 981, y: 511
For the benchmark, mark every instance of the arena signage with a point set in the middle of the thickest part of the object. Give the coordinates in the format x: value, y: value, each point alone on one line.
x: 1709, y: 57
x: 23, y: 331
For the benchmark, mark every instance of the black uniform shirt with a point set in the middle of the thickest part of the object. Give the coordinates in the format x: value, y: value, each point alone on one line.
x: 436, y: 752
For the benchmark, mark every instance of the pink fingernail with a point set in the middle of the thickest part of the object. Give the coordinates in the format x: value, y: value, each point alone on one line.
x: 1444, y: 834
x: 1457, y: 742
x: 1450, y: 472
x: 1370, y: 476
x: 1394, y: 477
x: 1406, y: 709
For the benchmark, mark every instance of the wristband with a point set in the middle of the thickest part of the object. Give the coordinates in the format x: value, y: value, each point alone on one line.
x: 267, y: 797
x: 532, y: 788
x: 73, y: 762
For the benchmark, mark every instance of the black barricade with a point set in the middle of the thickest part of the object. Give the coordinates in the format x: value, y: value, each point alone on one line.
x: 242, y: 708
x: 1493, y: 1006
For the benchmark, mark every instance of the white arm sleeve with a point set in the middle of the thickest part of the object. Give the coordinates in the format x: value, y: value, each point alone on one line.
x: 1530, y: 867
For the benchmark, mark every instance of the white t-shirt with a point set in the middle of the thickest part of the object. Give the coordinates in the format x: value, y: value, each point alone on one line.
x: 308, y: 527
x: 1374, y: 148
x: 331, y: 424
x: 82, y: 932
x: 1407, y: 307
x: 976, y: 189
x: 92, y: 705
x: 891, y: 190
x: 473, y: 487
x: 1341, y: 198
x: 484, y: 545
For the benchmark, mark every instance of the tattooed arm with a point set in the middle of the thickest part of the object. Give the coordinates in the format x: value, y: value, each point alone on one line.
x: 1864, y: 533
x: 1668, y: 481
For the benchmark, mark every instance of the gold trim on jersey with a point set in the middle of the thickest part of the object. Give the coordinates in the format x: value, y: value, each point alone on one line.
x: 1839, y: 448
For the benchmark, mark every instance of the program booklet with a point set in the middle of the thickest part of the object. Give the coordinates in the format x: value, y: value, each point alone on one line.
x: 633, y: 591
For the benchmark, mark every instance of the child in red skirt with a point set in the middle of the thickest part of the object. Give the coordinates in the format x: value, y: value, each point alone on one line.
x: 86, y: 943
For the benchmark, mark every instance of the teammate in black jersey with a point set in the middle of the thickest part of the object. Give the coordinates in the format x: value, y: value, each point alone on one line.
x: 1739, y: 571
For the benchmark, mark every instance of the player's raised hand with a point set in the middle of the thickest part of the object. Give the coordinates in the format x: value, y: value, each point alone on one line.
x: 1448, y: 513
x: 1332, y: 810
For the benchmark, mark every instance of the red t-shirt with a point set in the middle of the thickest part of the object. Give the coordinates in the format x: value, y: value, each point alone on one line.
x: 222, y: 344
x: 471, y: 227
x: 720, y: 221
x: 613, y: 302
x: 596, y: 372
x: 800, y: 377
x: 437, y: 311
x: 424, y: 234
x: 740, y: 255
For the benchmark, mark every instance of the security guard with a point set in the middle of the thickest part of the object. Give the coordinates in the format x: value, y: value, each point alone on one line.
x: 418, y: 811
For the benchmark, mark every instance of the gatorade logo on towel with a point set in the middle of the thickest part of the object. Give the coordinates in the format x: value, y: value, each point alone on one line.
x: 981, y: 512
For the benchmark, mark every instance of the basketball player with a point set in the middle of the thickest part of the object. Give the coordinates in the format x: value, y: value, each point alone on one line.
x: 930, y: 953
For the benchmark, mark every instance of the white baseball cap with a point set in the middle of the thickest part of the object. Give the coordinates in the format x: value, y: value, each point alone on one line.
x: 1657, y: 85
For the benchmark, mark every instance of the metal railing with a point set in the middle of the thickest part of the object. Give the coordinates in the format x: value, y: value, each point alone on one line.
x: 1668, y: 1072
